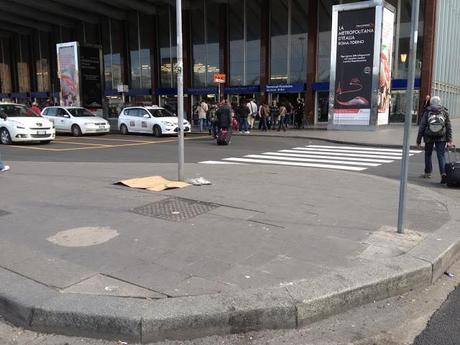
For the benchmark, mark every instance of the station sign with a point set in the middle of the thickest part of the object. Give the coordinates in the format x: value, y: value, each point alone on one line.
x: 219, y: 78
x: 285, y: 88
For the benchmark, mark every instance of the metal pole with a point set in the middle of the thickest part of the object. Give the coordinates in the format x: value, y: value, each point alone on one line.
x: 408, y: 117
x: 180, y: 92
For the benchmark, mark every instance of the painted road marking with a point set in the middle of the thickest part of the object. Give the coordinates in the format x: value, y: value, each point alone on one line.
x: 308, y: 165
x: 264, y: 156
x: 349, y: 151
x: 328, y: 157
x: 99, y: 146
x: 307, y: 155
x: 367, y: 148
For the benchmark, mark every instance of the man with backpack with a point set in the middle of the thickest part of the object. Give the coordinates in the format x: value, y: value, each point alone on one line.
x: 436, y: 130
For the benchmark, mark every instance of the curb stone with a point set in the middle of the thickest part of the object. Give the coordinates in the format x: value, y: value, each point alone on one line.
x: 33, y: 306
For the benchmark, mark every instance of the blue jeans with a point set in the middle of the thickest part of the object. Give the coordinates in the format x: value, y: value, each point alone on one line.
x: 203, y: 124
x: 440, y: 147
x: 243, y: 124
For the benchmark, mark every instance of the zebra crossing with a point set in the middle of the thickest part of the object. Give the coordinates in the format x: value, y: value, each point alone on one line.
x: 335, y: 157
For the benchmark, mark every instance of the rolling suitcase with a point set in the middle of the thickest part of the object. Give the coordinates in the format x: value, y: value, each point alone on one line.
x: 223, y: 136
x: 452, y: 168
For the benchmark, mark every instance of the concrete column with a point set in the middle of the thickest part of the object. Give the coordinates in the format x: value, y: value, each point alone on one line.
x: 429, y: 32
x: 264, y: 49
x: 223, y: 45
x: 311, y: 61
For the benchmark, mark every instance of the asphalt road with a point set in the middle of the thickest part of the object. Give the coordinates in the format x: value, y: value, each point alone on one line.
x: 444, y: 326
x: 198, y: 148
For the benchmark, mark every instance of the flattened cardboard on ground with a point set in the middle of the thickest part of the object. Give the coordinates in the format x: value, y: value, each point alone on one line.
x: 153, y: 183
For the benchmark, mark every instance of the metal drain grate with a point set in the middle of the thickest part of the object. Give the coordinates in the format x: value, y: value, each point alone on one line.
x: 175, y: 209
x: 3, y: 213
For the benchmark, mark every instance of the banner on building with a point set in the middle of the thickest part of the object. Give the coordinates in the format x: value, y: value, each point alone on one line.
x: 68, y: 73
x: 357, y: 53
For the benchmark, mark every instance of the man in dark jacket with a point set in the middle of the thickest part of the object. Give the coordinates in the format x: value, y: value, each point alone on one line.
x: 436, y: 130
x: 243, y: 113
x: 224, y: 116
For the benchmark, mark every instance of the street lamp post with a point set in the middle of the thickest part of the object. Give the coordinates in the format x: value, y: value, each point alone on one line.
x: 408, y: 116
x: 180, y: 91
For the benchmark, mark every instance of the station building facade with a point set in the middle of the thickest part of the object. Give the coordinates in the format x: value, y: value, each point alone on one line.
x: 268, y: 49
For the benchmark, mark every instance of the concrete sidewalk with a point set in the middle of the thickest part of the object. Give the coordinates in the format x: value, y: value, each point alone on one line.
x: 262, y: 247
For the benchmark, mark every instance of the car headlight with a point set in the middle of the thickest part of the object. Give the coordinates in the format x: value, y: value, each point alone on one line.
x: 167, y: 123
x: 89, y: 123
x: 20, y: 127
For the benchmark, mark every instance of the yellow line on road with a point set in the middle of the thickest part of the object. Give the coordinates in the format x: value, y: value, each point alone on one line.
x: 108, y: 139
x: 77, y: 143
x: 103, y: 146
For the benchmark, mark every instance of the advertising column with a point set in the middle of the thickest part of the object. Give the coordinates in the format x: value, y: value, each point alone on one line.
x: 91, y: 79
x: 386, y: 57
x: 360, y: 65
x: 68, y: 73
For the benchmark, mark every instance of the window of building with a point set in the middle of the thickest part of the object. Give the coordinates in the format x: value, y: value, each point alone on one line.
x: 140, y: 44
x: 5, y: 63
x: 205, y: 41
x: 167, y: 46
x: 22, y: 65
x: 289, y: 40
x: 42, y: 65
x: 112, y: 41
x: 244, y: 41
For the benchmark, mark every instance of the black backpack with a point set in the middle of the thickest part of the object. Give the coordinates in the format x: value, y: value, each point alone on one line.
x: 436, y: 123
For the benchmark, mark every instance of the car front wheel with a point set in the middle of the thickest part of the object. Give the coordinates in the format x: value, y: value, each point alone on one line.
x: 157, y: 131
x: 5, y: 137
x: 76, y: 131
x: 124, y: 130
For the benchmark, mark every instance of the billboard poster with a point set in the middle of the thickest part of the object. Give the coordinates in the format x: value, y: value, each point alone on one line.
x: 67, y: 58
x: 354, y: 63
x: 386, y: 53
x: 91, y: 79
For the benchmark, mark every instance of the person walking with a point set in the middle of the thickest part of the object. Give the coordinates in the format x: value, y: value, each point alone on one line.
x: 243, y: 113
x: 299, y: 114
x: 436, y: 130
x: 264, y: 112
x: 252, y: 113
x: 202, y: 109
x: 3, y: 167
x: 274, y: 112
x: 35, y: 108
x: 282, y: 118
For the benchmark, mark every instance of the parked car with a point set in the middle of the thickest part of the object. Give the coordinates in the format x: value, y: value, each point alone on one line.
x: 76, y: 120
x: 20, y: 124
x: 155, y: 120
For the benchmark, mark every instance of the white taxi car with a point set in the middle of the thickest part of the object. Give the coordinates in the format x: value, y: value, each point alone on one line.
x: 20, y: 124
x: 153, y: 119
x: 76, y: 120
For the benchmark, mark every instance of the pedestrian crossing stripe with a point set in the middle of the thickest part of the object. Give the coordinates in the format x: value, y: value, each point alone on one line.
x: 307, y: 165
x: 349, y: 158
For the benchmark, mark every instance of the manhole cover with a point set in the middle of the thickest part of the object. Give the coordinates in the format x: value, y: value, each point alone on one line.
x: 175, y: 209
x: 3, y: 213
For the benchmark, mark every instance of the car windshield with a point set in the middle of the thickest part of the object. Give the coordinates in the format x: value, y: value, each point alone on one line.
x: 160, y: 113
x: 16, y: 110
x: 80, y: 112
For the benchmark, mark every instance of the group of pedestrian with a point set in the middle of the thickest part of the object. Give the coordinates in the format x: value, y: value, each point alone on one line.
x: 247, y: 115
